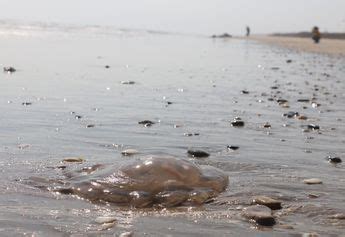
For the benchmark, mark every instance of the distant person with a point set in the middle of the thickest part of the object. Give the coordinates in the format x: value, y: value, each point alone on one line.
x: 316, y: 35
x: 247, y: 31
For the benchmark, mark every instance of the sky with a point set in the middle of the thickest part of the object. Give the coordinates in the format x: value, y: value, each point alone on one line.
x: 185, y: 16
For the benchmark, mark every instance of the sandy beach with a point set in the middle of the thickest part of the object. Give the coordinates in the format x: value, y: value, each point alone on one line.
x: 326, y: 46
x: 269, y: 119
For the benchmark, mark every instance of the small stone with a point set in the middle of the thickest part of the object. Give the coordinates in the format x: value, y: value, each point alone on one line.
x: 302, y: 117
x: 315, y: 105
x: 78, y: 117
x: 303, y: 100
x: 289, y: 61
x: 267, y: 201
x: 127, y: 82
x: 23, y: 146
x: 198, y: 153
x: 339, y: 216
x: 291, y: 114
x: 90, y: 126
x: 244, y: 92
x: 335, y: 160
x: 9, y: 69
x: 126, y: 234
x: 313, y: 127
x: 233, y: 148
x: 107, y: 66
x: 146, y: 123
x: 129, y: 152
x: 237, y: 122
x: 260, y: 214
x: 313, y: 195
x: 107, y: 226
x: 312, y: 181
x: 267, y: 125
x: 310, y: 235
x: 105, y: 219
x: 27, y: 103
x: 282, y: 101
x: 73, y: 160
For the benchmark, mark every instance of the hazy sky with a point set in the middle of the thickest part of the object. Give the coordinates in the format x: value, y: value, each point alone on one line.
x: 197, y: 16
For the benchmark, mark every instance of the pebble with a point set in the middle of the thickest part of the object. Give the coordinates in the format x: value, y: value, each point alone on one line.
x: 9, y: 69
x: 90, y: 126
x: 313, y: 127
x: 126, y: 234
x: 237, y: 122
x: 191, y: 134
x: 312, y: 181
x: 291, y: 114
x: 107, y: 66
x: 334, y: 160
x: 127, y: 82
x: 289, y: 61
x: 105, y: 219
x: 267, y: 201
x: 260, y: 214
x: 23, y: 146
x: 73, y: 160
x: 303, y: 100
x: 267, y: 125
x: 107, y: 226
x: 245, y: 92
x: 129, y: 152
x: 302, y: 117
x: 26, y: 103
x: 198, y: 153
x: 146, y: 123
x: 78, y: 117
x: 339, y: 216
x: 233, y: 148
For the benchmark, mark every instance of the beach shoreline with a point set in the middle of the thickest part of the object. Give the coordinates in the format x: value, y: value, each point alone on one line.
x: 333, y: 47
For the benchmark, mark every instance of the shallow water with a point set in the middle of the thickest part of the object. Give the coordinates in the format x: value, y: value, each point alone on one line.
x: 61, y: 73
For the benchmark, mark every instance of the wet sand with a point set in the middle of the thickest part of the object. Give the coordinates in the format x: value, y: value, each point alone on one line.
x: 334, y: 47
x: 64, y: 102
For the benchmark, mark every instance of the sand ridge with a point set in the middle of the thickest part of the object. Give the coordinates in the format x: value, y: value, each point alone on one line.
x: 333, y: 47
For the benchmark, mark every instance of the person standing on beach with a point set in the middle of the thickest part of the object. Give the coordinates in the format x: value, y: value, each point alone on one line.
x: 316, y: 35
x: 248, y: 31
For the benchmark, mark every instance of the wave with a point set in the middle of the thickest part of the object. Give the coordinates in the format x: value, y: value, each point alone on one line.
x: 41, y: 29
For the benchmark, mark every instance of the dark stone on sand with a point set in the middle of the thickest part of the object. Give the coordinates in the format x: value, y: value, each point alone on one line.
x: 90, y: 126
x: 245, y: 92
x: 107, y: 66
x: 289, y: 61
x: 237, y: 122
x: 274, y: 87
x: 267, y: 201
x: 334, y: 160
x: 9, y: 69
x: 303, y: 100
x: 234, y: 148
x: 146, y: 123
x: 313, y: 127
x: 198, y: 153
x: 275, y: 68
x: 259, y: 214
x: 169, y: 102
x: 281, y: 101
x: 225, y: 35
x: 26, y: 103
x: 267, y: 125
x: 78, y: 117
x: 291, y: 114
